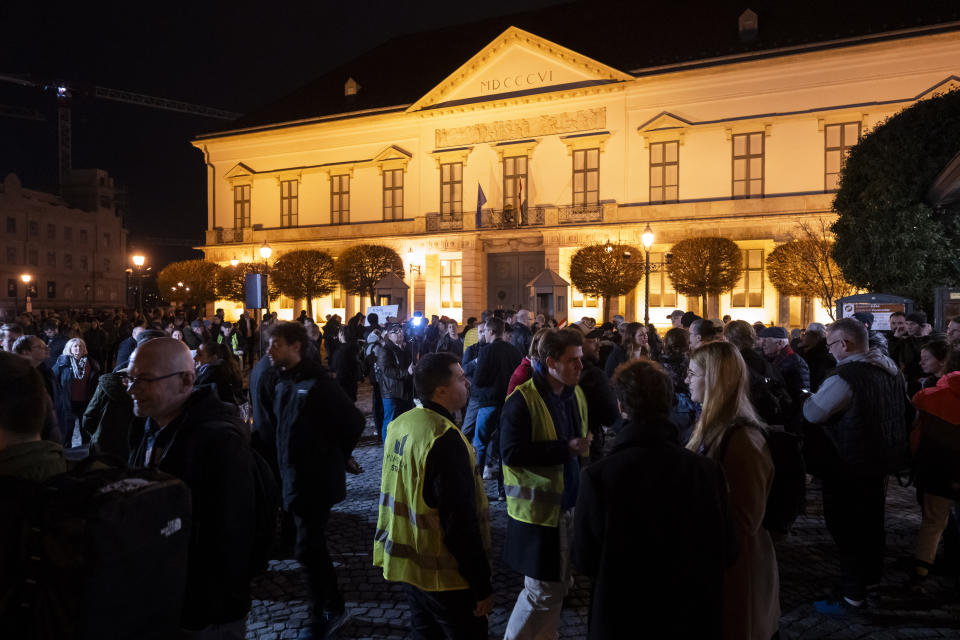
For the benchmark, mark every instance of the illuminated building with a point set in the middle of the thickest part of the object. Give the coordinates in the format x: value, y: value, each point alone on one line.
x: 745, y: 144
x: 72, y: 246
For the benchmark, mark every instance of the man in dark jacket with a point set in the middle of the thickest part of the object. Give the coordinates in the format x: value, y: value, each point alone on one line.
x: 812, y: 348
x: 190, y: 434
x: 602, y: 407
x: 317, y: 429
x: 670, y: 536
x: 495, y: 365
x: 862, y: 410
x: 775, y: 342
x: 395, y: 375
x: 521, y: 336
x: 213, y: 371
x: 55, y: 340
x: 127, y: 345
x: 543, y: 436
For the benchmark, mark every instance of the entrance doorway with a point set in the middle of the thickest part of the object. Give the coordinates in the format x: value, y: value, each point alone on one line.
x: 507, y: 275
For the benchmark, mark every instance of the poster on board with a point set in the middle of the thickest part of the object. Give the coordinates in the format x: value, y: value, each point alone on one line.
x: 881, y: 312
x: 383, y: 312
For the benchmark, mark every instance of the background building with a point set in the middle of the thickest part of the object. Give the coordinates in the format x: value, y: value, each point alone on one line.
x: 745, y: 140
x: 72, y: 246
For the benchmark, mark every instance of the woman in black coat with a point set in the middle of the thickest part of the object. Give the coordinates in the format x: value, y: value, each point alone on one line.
x: 346, y: 362
x: 653, y: 516
x: 76, y: 374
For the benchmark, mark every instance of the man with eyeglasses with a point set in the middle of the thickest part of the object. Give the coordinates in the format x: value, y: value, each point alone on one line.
x: 191, y: 434
x: 862, y: 409
x: 36, y: 351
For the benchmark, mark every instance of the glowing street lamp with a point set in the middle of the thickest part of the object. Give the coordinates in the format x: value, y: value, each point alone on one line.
x: 647, y: 238
x: 138, y: 261
x: 26, y: 278
x: 265, y: 251
x: 234, y: 262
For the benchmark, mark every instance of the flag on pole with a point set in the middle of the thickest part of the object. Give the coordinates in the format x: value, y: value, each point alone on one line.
x: 522, y: 200
x: 481, y: 200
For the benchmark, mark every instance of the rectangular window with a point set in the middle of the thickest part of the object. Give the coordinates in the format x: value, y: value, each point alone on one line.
x: 83, y: 263
x: 83, y: 236
x: 749, y: 291
x: 451, y: 284
x: 340, y: 199
x: 748, y: 165
x: 11, y: 224
x: 106, y: 241
x: 838, y: 138
x: 664, y: 172
x: 33, y: 257
x: 451, y: 189
x: 34, y: 228
x: 68, y: 261
x: 580, y: 300
x: 11, y: 255
x: 51, y: 232
x: 586, y: 176
x: 52, y: 259
x: 51, y: 289
x: 662, y: 293
x: 11, y: 287
x: 241, y: 206
x: 339, y: 297
x: 393, y: 194
x: 289, y: 203
x: 68, y: 233
x: 106, y: 264
x: 514, y: 181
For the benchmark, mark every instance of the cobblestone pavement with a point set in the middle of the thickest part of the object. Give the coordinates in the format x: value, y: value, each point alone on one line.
x: 808, y: 566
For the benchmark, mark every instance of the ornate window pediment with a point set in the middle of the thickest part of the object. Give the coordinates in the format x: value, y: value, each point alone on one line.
x: 662, y: 127
x: 392, y: 157
x: 240, y: 174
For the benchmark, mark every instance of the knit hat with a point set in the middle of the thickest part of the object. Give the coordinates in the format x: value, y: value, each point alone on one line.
x: 775, y: 332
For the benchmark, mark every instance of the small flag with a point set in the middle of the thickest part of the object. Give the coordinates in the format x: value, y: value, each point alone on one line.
x: 523, y: 202
x: 481, y: 200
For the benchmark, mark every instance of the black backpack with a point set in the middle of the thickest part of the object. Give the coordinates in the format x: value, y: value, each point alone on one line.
x: 787, y: 498
x: 93, y: 553
x: 769, y: 397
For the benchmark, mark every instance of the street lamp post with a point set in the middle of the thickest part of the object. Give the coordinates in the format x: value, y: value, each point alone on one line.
x: 26, y: 278
x: 138, y: 261
x: 647, y: 243
x: 265, y: 252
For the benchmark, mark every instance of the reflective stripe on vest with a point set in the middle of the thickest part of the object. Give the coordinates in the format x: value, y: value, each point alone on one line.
x: 409, y: 539
x: 535, y: 494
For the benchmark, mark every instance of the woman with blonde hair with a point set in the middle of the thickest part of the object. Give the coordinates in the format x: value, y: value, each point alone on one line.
x: 634, y: 345
x: 730, y: 433
x: 77, y: 374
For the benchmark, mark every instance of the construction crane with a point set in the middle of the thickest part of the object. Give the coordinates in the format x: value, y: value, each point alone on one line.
x: 64, y: 92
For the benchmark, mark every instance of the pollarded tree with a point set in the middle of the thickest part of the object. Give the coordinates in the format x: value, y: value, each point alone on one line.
x: 888, y: 238
x: 232, y: 281
x: 306, y: 273
x: 360, y: 268
x: 702, y: 266
x: 606, y: 270
x: 804, y: 266
x: 192, y: 281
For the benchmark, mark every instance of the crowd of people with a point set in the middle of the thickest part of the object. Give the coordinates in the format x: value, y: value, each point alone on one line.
x: 633, y: 458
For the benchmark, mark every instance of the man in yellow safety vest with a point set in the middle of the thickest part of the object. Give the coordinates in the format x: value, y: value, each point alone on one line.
x: 433, y: 529
x: 543, y: 438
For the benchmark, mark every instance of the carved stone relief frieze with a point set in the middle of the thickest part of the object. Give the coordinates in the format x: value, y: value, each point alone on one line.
x: 568, y: 122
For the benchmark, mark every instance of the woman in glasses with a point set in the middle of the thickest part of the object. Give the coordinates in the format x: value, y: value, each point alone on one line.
x: 729, y: 432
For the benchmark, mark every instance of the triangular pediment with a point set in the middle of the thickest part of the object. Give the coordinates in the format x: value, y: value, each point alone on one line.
x: 518, y: 63
x: 393, y: 152
x: 946, y: 85
x: 663, y: 121
x: 239, y: 170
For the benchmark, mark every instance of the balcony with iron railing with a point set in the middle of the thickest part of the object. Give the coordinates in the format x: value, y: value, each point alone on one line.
x: 512, y: 218
x: 444, y: 222
x: 580, y: 213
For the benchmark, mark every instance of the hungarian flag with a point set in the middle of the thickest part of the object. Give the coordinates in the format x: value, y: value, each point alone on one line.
x: 522, y: 200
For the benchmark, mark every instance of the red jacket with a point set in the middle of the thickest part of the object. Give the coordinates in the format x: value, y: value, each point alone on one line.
x: 521, y: 374
x: 941, y: 401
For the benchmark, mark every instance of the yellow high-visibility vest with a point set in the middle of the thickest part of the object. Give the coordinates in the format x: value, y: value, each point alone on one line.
x: 535, y: 494
x: 409, y: 541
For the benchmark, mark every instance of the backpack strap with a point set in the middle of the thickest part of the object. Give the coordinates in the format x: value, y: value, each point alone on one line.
x: 728, y: 434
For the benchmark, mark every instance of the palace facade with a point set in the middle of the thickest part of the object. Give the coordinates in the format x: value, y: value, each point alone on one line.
x: 563, y: 150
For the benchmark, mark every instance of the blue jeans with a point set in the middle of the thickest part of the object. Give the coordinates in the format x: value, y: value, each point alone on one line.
x: 393, y: 407
x: 483, y: 432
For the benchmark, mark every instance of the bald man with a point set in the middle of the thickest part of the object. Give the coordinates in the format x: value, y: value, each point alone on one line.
x: 194, y: 436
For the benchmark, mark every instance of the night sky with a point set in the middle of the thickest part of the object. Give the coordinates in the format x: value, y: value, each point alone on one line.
x: 235, y: 56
